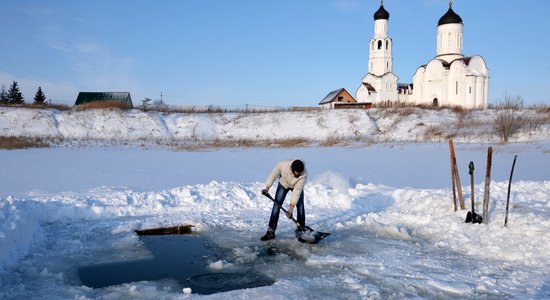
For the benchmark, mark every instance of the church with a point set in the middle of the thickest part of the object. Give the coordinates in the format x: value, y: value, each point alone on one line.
x: 449, y: 79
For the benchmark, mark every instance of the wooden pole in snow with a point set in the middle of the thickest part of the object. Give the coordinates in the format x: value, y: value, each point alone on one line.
x: 509, y: 186
x: 456, y: 174
x: 487, y: 186
x: 453, y: 179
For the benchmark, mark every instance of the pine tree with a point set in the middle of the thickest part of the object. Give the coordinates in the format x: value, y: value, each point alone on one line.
x: 14, y: 95
x: 3, y: 95
x: 40, y: 98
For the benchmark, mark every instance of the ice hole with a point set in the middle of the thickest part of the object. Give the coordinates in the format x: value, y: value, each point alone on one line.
x: 181, y: 257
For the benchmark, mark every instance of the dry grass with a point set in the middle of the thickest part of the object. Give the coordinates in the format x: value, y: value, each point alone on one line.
x: 37, y: 106
x: 12, y: 142
x: 240, y: 143
x: 219, y: 110
x: 332, y: 140
x: 433, y: 133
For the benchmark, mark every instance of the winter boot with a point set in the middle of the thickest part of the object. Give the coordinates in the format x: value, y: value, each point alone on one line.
x: 269, y: 235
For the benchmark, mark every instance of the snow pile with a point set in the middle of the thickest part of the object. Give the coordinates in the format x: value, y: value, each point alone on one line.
x: 324, y: 127
x: 406, y: 216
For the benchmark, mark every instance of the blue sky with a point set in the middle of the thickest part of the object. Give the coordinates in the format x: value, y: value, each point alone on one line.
x: 255, y: 52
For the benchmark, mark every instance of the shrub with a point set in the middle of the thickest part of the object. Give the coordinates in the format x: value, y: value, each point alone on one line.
x: 508, y: 119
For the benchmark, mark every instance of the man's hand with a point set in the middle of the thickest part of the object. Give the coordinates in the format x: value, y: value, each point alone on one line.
x: 265, y: 191
x: 289, y: 211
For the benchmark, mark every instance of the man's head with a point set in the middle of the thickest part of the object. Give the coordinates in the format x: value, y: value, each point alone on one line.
x: 297, y: 168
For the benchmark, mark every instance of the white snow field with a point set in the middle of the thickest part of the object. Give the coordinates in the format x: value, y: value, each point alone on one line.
x: 388, y: 207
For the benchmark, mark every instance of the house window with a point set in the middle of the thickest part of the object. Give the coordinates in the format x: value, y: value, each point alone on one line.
x: 340, y: 99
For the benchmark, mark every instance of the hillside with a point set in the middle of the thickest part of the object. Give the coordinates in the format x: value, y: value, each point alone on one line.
x: 287, y: 129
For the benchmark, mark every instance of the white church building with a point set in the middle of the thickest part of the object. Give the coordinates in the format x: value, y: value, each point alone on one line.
x: 449, y: 79
x: 380, y: 84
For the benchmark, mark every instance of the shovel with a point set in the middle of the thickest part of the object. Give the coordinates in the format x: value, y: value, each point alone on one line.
x: 472, y: 217
x: 306, y: 234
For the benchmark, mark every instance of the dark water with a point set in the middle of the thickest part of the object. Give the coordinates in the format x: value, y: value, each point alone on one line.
x: 184, y: 258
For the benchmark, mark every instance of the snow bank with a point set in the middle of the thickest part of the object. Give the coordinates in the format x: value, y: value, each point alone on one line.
x: 333, y: 204
x: 327, y: 126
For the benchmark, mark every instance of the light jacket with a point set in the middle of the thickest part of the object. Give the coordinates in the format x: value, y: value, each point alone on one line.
x: 287, y: 179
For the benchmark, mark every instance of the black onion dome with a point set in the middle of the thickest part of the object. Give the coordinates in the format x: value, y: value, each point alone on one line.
x: 381, y: 13
x: 450, y: 18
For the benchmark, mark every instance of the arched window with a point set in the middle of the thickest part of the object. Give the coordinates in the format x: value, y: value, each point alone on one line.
x: 387, y: 45
x: 435, y: 103
x: 379, y: 45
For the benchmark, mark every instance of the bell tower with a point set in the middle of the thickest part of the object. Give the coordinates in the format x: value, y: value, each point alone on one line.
x: 380, y: 57
x: 380, y: 84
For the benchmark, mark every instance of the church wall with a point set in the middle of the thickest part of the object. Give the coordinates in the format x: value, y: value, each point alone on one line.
x: 418, y: 83
x: 457, y: 83
x: 471, y: 91
x: 362, y: 94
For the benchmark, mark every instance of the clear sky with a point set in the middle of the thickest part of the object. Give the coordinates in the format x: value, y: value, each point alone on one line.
x: 255, y: 52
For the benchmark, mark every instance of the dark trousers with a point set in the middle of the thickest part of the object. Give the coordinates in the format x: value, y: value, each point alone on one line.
x: 280, y: 198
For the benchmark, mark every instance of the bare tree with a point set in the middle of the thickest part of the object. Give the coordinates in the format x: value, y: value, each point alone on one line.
x: 508, y: 119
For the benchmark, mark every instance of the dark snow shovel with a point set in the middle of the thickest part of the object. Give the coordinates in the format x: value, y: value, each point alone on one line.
x: 306, y: 234
x: 472, y: 217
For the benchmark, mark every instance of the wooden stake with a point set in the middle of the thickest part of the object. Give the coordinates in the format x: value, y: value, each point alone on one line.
x: 509, y: 186
x: 453, y: 181
x: 487, y: 186
x: 456, y: 174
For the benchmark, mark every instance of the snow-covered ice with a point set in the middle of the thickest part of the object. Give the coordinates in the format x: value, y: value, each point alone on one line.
x: 394, y: 233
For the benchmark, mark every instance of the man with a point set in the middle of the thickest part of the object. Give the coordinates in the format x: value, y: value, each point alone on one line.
x: 292, y: 176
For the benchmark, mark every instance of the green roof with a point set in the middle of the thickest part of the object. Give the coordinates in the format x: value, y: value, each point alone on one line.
x: 88, y: 97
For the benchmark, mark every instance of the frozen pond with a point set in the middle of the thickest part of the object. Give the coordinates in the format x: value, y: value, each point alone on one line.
x: 394, y: 233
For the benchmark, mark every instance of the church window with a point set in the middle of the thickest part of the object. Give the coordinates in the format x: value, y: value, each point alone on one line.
x: 372, y: 45
x: 379, y: 45
x: 387, y: 45
x: 456, y: 87
x: 470, y: 90
x: 387, y: 65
